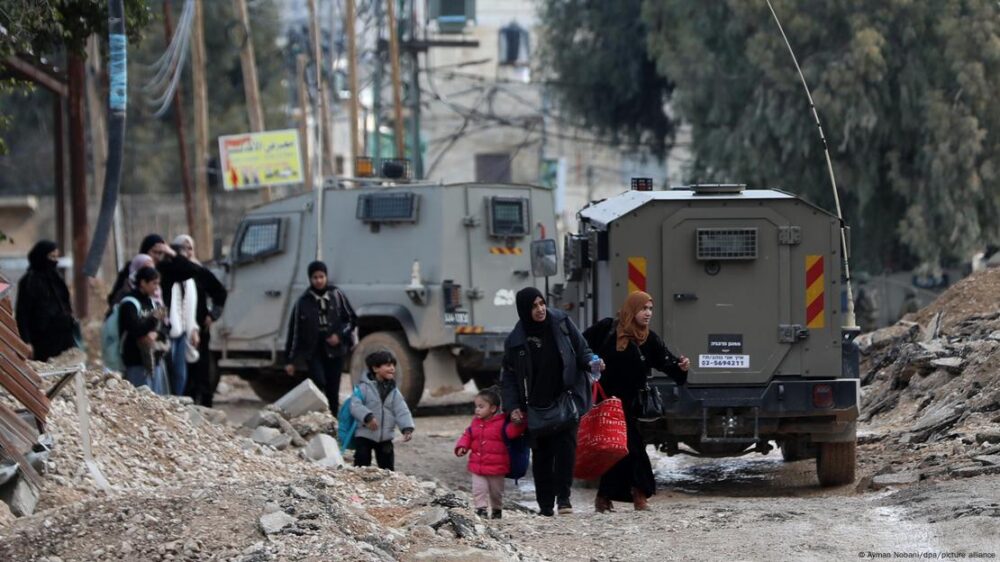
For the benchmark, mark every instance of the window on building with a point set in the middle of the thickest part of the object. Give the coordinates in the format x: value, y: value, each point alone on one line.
x: 493, y: 168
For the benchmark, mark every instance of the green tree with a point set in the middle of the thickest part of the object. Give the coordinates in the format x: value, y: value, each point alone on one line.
x: 905, y: 92
x: 47, y: 29
x: 603, y: 74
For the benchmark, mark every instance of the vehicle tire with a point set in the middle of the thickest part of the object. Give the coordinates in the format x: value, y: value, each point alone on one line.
x: 409, y: 365
x: 270, y: 388
x: 795, y: 450
x: 483, y: 379
x: 835, y: 463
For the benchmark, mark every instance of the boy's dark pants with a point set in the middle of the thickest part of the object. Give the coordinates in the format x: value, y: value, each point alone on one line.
x: 552, y: 459
x: 384, y: 453
x: 325, y: 373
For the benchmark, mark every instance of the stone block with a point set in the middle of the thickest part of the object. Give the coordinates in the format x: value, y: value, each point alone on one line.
x: 20, y: 496
x: 432, y: 517
x: 281, y: 442
x: 325, y: 450
x: 895, y: 479
x: 950, y: 364
x: 272, y: 523
x: 264, y: 435
x: 306, y: 397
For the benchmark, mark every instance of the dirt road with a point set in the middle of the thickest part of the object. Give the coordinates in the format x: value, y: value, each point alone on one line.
x: 751, y: 508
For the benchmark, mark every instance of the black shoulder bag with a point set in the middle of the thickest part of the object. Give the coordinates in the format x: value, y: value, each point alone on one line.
x: 560, y: 415
x: 648, y: 404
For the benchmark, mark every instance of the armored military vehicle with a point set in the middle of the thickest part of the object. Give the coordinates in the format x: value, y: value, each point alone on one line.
x: 431, y: 271
x: 747, y: 284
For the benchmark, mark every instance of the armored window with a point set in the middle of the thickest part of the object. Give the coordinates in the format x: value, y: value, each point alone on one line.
x: 508, y: 216
x: 259, y: 238
x: 727, y: 243
x: 387, y: 207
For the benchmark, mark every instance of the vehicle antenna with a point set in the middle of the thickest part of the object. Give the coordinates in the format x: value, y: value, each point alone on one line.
x: 851, y: 324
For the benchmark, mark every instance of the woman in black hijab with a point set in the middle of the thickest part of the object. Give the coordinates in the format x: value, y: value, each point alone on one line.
x: 544, y: 356
x: 44, y: 314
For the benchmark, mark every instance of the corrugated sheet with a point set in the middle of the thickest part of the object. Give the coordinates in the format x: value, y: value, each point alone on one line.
x: 17, y: 437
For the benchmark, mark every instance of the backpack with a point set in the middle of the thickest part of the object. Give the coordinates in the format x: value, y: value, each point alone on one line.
x: 112, y: 340
x: 347, y: 425
x: 519, y: 453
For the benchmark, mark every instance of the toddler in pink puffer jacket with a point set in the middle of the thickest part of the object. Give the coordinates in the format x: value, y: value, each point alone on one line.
x: 489, y: 460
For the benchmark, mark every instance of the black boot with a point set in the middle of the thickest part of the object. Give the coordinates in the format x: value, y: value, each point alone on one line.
x: 496, y: 514
x: 481, y: 512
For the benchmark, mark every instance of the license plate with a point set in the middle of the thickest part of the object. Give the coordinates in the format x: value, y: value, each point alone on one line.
x: 456, y: 317
x: 724, y: 361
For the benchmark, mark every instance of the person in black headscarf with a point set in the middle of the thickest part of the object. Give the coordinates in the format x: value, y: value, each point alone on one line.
x: 173, y: 268
x: 320, y: 333
x: 44, y: 314
x: 544, y: 356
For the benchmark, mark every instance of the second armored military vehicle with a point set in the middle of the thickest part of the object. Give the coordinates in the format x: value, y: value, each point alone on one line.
x: 430, y: 269
x: 747, y: 284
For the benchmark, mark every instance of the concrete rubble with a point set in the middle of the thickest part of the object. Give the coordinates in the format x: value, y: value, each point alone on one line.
x: 187, y: 485
x: 931, y: 387
x: 304, y: 398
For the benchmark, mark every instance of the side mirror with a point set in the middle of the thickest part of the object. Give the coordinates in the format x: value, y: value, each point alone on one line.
x: 544, y: 259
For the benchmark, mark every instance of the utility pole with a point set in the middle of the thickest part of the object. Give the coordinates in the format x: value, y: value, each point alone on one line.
x: 377, y: 84
x: 397, y: 87
x: 304, y: 137
x: 320, y: 126
x: 417, y: 157
x: 249, y: 64
x: 59, y: 144
x: 78, y: 181
x: 202, y: 204
x: 186, y: 181
x: 352, y: 79
x: 323, y: 131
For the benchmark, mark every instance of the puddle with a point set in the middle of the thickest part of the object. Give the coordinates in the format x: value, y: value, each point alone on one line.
x: 751, y: 475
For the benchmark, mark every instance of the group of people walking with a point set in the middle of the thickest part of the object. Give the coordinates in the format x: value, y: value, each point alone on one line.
x: 167, y: 301
x: 546, y: 365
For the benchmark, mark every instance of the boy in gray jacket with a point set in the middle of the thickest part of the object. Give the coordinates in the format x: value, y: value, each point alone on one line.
x: 379, y: 411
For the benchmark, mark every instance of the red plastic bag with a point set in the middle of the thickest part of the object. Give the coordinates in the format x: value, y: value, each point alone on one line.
x: 602, y: 439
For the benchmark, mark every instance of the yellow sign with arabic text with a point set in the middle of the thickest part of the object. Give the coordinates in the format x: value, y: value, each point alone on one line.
x: 260, y: 159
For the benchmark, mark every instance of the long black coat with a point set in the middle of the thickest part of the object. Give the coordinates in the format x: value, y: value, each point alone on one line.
x: 625, y: 375
x: 575, y: 354
x: 628, y: 370
x: 303, y: 327
x: 44, y: 314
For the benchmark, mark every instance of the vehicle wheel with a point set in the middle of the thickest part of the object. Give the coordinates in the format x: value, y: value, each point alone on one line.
x: 836, y: 462
x: 795, y: 450
x: 409, y: 365
x: 483, y: 379
x: 270, y: 388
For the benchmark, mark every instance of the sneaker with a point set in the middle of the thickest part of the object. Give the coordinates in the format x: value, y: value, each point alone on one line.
x: 565, y: 508
x: 496, y: 514
x: 481, y: 512
x: 546, y: 512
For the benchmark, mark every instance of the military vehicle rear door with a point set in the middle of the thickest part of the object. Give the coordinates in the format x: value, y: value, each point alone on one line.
x: 499, y: 260
x: 264, y: 259
x: 726, y: 292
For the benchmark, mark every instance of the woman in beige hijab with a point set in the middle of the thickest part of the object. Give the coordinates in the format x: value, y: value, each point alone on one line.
x: 631, y: 351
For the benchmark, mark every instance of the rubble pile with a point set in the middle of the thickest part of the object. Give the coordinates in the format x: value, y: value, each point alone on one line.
x: 186, y: 485
x: 931, y: 387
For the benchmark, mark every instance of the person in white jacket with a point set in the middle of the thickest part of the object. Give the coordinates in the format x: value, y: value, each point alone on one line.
x: 184, y: 335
